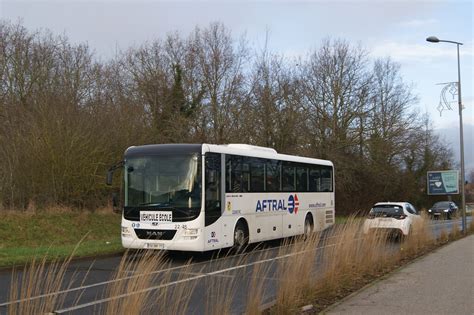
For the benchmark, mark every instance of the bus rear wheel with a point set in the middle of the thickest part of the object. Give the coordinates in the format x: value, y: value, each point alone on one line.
x: 308, y: 226
x: 241, y: 237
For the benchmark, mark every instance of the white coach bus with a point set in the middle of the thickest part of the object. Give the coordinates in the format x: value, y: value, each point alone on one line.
x: 199, y: 197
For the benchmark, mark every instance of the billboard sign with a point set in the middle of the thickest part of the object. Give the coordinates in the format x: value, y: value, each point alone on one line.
x: 443, y: 182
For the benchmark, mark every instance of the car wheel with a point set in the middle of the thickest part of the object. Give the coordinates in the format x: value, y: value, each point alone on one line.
x: 241, y: 237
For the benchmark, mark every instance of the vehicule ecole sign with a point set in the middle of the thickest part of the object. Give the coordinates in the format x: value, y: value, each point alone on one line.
x: 443, y: 182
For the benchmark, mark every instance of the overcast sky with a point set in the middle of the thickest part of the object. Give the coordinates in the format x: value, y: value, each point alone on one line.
x: 385, y: 28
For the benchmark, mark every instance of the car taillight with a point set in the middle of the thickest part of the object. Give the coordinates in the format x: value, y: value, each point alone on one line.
x: 400, y: 217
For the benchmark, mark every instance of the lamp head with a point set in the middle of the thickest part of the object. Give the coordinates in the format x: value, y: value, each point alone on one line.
x: 432, y: 39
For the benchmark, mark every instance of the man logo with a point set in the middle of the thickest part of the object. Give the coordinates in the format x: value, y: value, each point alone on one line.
x: 154, y: 234
x: 293, y: 204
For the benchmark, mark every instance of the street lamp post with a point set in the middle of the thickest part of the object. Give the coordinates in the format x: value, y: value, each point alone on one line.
x: 434, y: 39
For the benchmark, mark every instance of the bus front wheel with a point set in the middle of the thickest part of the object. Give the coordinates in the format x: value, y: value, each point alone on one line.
x: 241, y: 237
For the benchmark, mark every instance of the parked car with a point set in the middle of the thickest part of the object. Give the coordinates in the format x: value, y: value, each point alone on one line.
x: 446, y: 209
x: 394, y: 217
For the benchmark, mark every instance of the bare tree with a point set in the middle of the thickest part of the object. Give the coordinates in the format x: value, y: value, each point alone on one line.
x: 64, y: 116
x: 336, y: 86
x: 275, y: 110
x: 221, y: 66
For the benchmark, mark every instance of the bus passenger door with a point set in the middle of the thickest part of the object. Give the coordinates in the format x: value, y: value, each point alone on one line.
x: 213, y: 204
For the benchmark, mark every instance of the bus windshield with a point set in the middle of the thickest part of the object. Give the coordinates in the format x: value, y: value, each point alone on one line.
x: 163, y: 181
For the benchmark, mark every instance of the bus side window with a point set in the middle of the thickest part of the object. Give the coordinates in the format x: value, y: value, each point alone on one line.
x: 212, y: 188
x: 314, y: 179
x: 302, y: 178
x: 272, y: 175
x: 326, y: 178
x: 288, y: 176
x: 245, y: 178
x: 233, y: 173
x: 228, y: 173
x: 257, y: 173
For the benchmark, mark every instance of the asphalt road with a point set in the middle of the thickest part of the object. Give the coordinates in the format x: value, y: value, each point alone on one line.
x: 212, y: 275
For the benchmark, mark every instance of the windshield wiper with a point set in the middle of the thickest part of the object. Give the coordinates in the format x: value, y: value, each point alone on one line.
x: 155, y: 204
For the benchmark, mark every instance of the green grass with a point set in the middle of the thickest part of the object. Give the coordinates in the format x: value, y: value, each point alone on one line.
x: 55, y: 235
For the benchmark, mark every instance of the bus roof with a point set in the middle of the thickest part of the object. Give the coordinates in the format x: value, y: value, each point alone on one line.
x: 233, y: 148
x: 261, y: 152
x: 158, y: 149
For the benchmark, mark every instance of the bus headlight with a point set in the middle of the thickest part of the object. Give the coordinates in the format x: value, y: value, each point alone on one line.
x: 126, y: 231
x: 191, y: 232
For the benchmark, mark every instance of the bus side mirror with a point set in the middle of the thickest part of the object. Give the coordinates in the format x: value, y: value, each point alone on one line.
x: 110, y: 172
x: 115, y: 203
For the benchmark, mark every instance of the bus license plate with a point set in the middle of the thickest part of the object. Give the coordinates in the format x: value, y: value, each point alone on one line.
x: 156, y: 216
x: 154, y: 245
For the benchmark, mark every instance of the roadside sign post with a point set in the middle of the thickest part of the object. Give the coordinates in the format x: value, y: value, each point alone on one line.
x: 443, y: 182
x: 446, y: 183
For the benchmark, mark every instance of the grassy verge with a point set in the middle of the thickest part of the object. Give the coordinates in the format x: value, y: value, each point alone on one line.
x: 55, y: 234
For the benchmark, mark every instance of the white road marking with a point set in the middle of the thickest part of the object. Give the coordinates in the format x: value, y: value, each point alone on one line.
x: 97, y: 284
x: 270, y: 260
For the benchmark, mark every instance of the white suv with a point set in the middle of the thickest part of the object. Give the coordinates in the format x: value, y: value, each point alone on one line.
x: 391, y: 216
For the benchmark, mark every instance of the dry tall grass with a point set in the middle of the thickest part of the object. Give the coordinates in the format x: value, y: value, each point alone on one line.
x: 259, y: 276
x: 34, y: 289
x: 455, y: 232
x: 39, y: 278
x: 139, y: 286
x: 295, y: 271
x: 345, y: 260
x: 421, y: 237
x: 350, y: 256
x: 443, y: 236
x: 137, y: 274
x: 316, y: 269
x: 220, y: 289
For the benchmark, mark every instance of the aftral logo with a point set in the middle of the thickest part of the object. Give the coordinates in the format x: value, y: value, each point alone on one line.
x: 278, y: 204
x: 293, y: 204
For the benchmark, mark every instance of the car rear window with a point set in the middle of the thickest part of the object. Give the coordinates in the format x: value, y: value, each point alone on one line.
x: 386, y: 210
